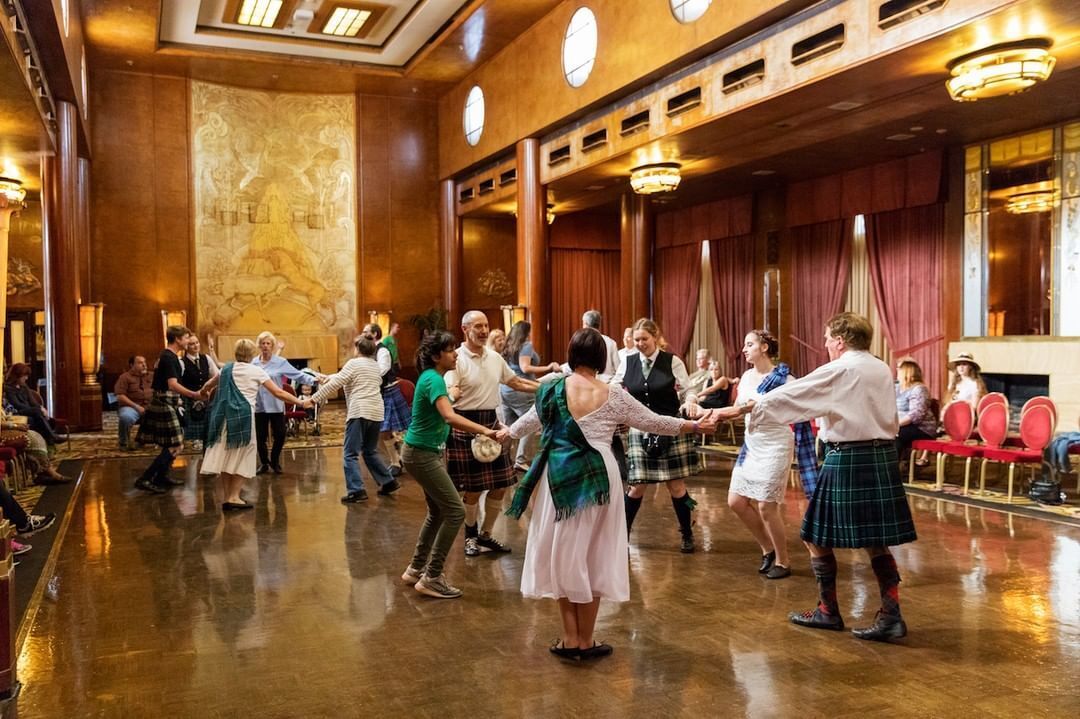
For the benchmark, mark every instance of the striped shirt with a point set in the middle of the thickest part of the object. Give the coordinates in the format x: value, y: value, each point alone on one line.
x: 361, y: 378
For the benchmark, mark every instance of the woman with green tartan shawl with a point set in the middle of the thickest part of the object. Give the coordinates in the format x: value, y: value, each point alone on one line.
x: 577, y: 547
x: 230, y: 435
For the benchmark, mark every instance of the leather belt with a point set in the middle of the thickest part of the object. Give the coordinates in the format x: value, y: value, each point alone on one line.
x: 860, y: 444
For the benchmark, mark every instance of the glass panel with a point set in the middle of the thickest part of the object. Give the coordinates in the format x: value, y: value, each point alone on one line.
x: 579, y: 47
x: 772, y: 301
x: 1022, y: 194
x: 689, y: 10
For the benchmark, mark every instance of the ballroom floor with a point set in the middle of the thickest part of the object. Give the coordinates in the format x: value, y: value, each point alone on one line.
x: 162, y: 607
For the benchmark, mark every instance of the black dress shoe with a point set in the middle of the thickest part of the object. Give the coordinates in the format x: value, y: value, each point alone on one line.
x: 563, y: 652
x: 359, y: 495
x: 766, y: 562
x: 389, y: 488
x: 236, y: 506
x: 168, y: 482
x: 276, y: 468
x: 596, y: 651
x: 885, y: 627
x: 263, y: 469
x: 687, y: 546
x: 147, y: 486
x: 816, y: 619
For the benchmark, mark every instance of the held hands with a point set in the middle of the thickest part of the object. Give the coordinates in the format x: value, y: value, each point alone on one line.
x: 727, y: 413
x: 500, y: 435
x: 692, y: 410
x: 707, y: 423
x: 555, y: 367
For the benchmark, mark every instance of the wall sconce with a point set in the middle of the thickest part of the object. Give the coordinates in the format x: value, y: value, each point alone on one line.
x: 550, y: 216
x: 169, y: 318
x: 382, y: 318
x: 1024, y: 203
x: 90, y: 317
x: 12, y: 191
x: 1004, y: 69
x: 651, y: 179
x: 512, y: 314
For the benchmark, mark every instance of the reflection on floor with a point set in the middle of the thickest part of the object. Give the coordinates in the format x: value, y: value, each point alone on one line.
x: 162, y: 607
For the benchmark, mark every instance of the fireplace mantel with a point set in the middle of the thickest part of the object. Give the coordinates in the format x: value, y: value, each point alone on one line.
x: 1058, y: 357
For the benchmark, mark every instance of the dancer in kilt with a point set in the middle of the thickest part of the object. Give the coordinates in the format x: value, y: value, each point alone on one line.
x: 859, y: 501
x: 658, y: 379
x: 161, y: 424
x: 474, y: 385
x: 198, y: 370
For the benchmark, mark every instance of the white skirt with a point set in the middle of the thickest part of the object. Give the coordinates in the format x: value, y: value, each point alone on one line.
x: 242, y: 461
x: 579, y: 558
x: 763, y: 475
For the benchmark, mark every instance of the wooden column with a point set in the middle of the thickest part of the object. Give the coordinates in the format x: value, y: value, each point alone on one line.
x: 6, y: 211
x: 60, y: 220
x: 637, y: 230
x: 450, y: 243
x: 533, y: 275
x: 90, y: 399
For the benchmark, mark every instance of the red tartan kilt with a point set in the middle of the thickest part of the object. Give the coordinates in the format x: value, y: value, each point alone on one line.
x: 468, y: 474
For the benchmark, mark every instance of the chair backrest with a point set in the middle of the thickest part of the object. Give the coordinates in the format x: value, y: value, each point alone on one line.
x: 994, y: 424
x: 407, y: 388
x: 1040, y: 402
x: 959, y: 420
x: 1037, y: 427
x: 989, y: 399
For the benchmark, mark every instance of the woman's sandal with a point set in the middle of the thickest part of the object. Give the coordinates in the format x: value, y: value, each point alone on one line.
x: 563, y: 652
x: 596, y: 651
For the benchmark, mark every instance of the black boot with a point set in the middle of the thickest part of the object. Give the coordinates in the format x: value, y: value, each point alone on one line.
x: 633, y: 504
x: 684, y: 507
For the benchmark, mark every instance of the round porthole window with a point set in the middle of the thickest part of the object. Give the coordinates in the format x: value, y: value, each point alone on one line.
x: 473, y: 118
x: 689, y: 10
x: 579, y: 47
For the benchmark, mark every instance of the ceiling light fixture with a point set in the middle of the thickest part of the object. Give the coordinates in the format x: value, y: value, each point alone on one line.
x: 1024, y: 203
x: 12, y: 190
x: 259, y: 13
x: 549, y: 216
x: 346, y: 22
x: 1004, y: 69
x: 651, y: 179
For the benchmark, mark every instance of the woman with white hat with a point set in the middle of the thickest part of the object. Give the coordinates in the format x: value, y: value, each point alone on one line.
x: 965, y: 382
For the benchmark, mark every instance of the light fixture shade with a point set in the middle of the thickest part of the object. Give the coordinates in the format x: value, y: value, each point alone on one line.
x: 550, y: 213
x: 512, y: 314
x: 382, y: 318
x: 169, y: 318
x: 90, y: 320
x: 998, y: 70
x: 12, y: 191
x: 1024, y: 203
x: 651, y: 179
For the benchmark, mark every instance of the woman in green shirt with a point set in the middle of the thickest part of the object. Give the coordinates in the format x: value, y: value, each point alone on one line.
x: 432, y: 417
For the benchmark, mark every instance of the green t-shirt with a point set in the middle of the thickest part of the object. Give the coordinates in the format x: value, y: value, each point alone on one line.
x: 428, y: 429
x: 391, y: 346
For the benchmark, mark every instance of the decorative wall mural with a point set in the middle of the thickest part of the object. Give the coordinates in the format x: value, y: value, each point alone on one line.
x: 275, y: 230
x: 495, y: 284
x: 21, y: 279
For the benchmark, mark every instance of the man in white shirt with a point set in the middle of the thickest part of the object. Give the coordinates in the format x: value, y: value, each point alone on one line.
x: 474, y: 387
x: 697, y: 378
x: 628, y: 345
x: 592, y: 319
x: 859, y: 501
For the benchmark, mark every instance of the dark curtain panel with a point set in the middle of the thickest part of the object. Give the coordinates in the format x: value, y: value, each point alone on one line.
x: 678, y: 279
x: 821, y: 264
x: 582, y: 280
x: 732, y: 263
x: 906, y: 252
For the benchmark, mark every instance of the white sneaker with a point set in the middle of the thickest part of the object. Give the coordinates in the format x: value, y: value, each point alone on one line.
x: 437, y: 587
x: 412, y: 576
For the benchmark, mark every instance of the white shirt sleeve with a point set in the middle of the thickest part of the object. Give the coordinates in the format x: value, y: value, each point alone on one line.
x: 385, y: 361
x: 620, y: 372
x: 682, y: 379
x: 812, y: 396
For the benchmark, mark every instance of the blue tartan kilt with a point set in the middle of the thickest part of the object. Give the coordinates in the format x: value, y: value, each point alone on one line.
x: 195, y: 421
x: 396, y: 413
x: 859, y: 500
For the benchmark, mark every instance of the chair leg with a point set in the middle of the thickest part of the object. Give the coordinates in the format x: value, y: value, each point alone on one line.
x: 967, y: 472
x: 941, y: 470
x: 982, y: 478
x: 1012, y: 471
x: 911, y: 470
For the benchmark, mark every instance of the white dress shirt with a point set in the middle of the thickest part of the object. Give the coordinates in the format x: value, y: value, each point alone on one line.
x: 678, y: 369
x: 612, y: 359
x: 853, y: 398
x: 478, y: 376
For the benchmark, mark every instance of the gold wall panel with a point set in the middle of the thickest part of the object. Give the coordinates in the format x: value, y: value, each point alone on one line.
x: 275, y: 212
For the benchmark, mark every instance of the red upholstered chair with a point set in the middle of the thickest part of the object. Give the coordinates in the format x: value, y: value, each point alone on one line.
x: 296, y: 418
x: 1036, y: 431
x: 989, y: 399
x: 959, y: 420
x: 1040, y: 402
x: 408, y: 388
x: 994, y: 422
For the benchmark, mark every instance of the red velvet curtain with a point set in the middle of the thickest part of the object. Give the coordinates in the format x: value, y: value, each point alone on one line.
x: 582, y: 280
x: 906, y: 251
x: 821, y: 264
x: 678, y: 279
x: 732, y: 263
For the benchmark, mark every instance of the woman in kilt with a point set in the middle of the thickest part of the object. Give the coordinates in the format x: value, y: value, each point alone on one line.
x: 859, y: 501
x: 657, y: 378
x: 198, y: 370
x: 162, y: 423
x: 396, y: 413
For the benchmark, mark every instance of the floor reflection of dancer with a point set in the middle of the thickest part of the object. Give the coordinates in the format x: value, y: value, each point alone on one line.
x: 859, y: 501
x: 577, y: 547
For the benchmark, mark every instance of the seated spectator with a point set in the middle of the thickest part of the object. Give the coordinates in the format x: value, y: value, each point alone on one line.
x: 703, y: 363
x: 716, y: 392
x: 25, y: 524
x: 35, y: 452
x: 26, y: 402
x: 133, y: 394
x: 917, y: 420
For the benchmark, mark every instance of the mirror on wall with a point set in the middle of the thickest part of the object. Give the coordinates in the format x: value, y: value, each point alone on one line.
x: 771, y: 304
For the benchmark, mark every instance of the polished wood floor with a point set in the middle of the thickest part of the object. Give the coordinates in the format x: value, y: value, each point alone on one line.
x: 162, y: 607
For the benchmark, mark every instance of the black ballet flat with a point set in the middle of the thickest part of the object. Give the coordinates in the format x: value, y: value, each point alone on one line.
x: 563, y: 652
x: 236, y: 506
x: 596, y: 651
x: 766, y: 562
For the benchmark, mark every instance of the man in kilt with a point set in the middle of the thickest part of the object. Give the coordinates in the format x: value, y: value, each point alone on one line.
x: 162, y: 424
x: 198, y: 370
x: 859, y: 501
x: 474, y: 388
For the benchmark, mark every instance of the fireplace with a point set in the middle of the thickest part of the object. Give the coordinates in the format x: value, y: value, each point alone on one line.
x: 1018, y: 388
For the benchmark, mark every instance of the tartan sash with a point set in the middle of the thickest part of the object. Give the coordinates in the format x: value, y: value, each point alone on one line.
x: 577, y: 476
x: 231, y: 410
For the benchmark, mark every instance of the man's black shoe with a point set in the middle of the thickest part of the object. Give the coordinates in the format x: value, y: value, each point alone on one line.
x: 885, y: 627
x: 491, y: 544
x: 168, y: 482
x: 263, y: 469
x: 816, y: 619
x: 687, y: 546
x: 147, y: 486
x: 276, y: 468
x: 389, y: 488
x: 359, y: 495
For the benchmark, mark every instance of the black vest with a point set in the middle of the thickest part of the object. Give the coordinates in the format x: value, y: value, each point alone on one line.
x: 196, y: 372
x: 658, y: 391
x: 391, y: 376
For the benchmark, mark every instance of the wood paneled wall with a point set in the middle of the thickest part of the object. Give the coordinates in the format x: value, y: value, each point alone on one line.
x: 489, y: 245
x: 141, y: 212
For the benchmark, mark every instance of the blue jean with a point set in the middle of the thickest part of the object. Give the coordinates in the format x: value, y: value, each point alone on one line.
x: 362, y: 440
x: 129, y: 417
x: 516, y: 405
x: 1057, y: 452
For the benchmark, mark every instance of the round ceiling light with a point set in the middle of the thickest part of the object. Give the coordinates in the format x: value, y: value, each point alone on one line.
x: 651, y: 179
x: 1004, y: 69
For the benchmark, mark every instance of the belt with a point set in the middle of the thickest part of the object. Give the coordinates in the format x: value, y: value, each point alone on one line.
x: 861, y: 444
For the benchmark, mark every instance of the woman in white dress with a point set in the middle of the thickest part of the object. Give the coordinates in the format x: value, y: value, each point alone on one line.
x: 230, y: 436
x: 577, y: 547
x: 761, y: 471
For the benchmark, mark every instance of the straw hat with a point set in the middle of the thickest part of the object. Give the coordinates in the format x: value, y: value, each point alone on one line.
x: 964, y: 357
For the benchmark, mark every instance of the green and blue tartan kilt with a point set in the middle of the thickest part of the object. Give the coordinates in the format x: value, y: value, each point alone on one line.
x: 859, y: 500
x: 470, y: 475
x: 681, y: 460
x: 396, y: 412
x: 195, y: 421
x: 161, y: 423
